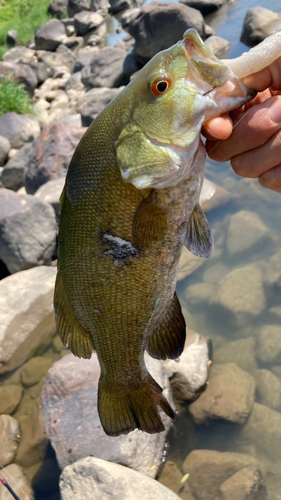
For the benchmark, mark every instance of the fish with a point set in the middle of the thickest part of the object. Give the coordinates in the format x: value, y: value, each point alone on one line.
x: 129, y: 205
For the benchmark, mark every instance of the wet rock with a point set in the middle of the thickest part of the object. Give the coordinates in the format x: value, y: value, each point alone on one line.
x: 269, y: 344
x: 50, y: 35
x: 76, y: 6
x: 213, y: 196
x: 50, y: 193
x: 11, y: 38
x: 84, y: 58
x: 10, y: 397
x: 94, y: 477
x: 27, y: 317
x: 199, y: 292
x: 20, y: 73
x: 19, y: 129
x: 27, y: 231
x: 219, y: 46
x: 190, y: 375
x: 241, y: 352
x: 51, y: 154
x: 35, y: 369
x: 246, y: 231
x: 268, y: 389
x: 258, y: 24
x: 5, y: 147
x: 57, y: 7
x: 209, y: 469
x: 70, y: 396
x: 94, y: 102
x: 19, y: 54
x: 230, y: 396
x: 161, y: 24
x: 246, y: 484
x: 62, y: 59
x: 171, y: 477
x: 18, y: 481
x: 87, y: 21
x: 214, y: 273
x: 110, y: 67
x: 204, y: 6
x: 14, y: 171
x: 272, y: 271
x: 34, y: 441
x: 10, y: 434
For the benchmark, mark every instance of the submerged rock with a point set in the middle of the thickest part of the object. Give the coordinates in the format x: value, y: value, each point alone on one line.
x: 246, y: 231
x: 269, y: 344
x: 18, y: 481
x: 246, y: 484
x: 241, y: 352
x: 10, y: 397
x: 34, y: 441
x: 268, y: 389
x: 10, y: 434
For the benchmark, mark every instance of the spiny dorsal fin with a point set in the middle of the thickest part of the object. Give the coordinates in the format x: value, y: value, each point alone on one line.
x: 150, y: 223
x: 199, y: 238
x: 69, y: 329
x: 169, y: 338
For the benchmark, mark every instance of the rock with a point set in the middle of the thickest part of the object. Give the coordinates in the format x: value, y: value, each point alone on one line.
x: 28, y: 231
x: 213, y: 196
x: 230, y: 396
x: 41, y: 70
x: 204, y: 6
x: 34, y: 441
x: 209, y: 469
x: 258, y: 24
x: 20, y: 73
x: 188, y: 263
x: 241, y: 292
x: 246, y: 484
x: 171, y: 477
x: 110, y: 67
x: 51, y: 154
x: 19, y: 54
x: 71, y: 380
x: 102, y: 5
x: 27, y: 317
x: 74, y: 120
x: 10, y: 397
x: 14, y: 171
x: 35, y: 369
x: 214, y: 273
x: 94, y: 102
x: 76, y: 6
x: 161, y: 24
x: 128, y: 16
x: 272, y: 272
x: 269, y: 344
x: 189, y: 377
x: 199, y: 292
x: 219, y: 46
x: 57, y: 7
x: 60, y: 102
x: 84, y: 58
x: 119, y: 5
x: 93, y: 478
x: 241, y: 352
x: 19, y: 129
x: 5, y: 147
x: 62, y: 59
x: 50, y: 193
x: 87, y: 21
x: 246, y: 231
x: 268, y: 389
x: 11, y: 38
x: 9, y: 438
x: 18, y: 481
x: 50, y: 35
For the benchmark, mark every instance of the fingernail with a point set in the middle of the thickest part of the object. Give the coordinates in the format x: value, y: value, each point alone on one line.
x: 275, y: 110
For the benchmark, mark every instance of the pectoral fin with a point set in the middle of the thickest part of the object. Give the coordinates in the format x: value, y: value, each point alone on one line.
x: 169, y: 338
x: 150, y: 223
x: 199, y: 238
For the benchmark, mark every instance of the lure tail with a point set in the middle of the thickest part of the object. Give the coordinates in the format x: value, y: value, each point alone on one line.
x: 121, y: 413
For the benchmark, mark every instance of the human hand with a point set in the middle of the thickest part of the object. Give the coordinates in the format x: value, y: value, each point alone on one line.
x: 254, y: 145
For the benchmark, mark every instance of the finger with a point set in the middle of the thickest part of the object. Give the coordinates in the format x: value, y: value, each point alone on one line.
x: 266, y: 77
x: 253, y: 128
x: 272, y: 179
x: 254, y: 163
x: 218, y: 128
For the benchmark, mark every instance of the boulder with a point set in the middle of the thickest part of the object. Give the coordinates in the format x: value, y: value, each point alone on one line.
x: 246, y: 484
x: 268, y: 389
x: 269, y: 344
x: 119, y: 5
x: 14, y: 171
x: 93, y: 478
x: 87, y: 21
x: 205, y: 6
x: 229, y: 396
x: 27, y: 231
x: 246, y: 231
x: 51, y: 154
x: 219, y: 46
x: 10, y: 397
x: 76, y: 6
x: 50, y: 35
x: 10, y: 434
x: 35, y: 369
x: 5, y: 147
x: 214, y: 273
x: 258, y: 24
x: 69, y: 397
x: 74, y: 120
x: 61, y: 60
x: 34, y: 441
x: 171, y: 477
x: 20, y: 73
x: 199, y: 292
x: 209, y: 469
x: 84, y: 58
x: 50, y: 193
x: 241, y: 352
x: 272, y: 271
x: 41, y: 70
x: 110, y: 67
x: 27, y: 317
x: 57, y: 7
x: 19, y: 129
x: 19, y: 54
x: 161, y: 24
x: 17, y: 479
x: 95, y: 101
x: 12, y: 38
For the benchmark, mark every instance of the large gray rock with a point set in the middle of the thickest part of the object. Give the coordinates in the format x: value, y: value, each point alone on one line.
x: 246, y: 231
x: 72, y: 423
x: 161, y: 24
x: 61, y: 60
x: 51, y: 154
x: 14, y: 171
x: 41, y: 70
x: 50, y: 193
x: 27, y: 315
x: 9, y: 438
x: 119, y: 5
x: 57, y: 7
x: 5, y: 147
x: 19, y: 54
x: 110, y: 67
x: 17, y: 479
x: 229, y: 396
x: 219, y: 46
x: 269, y: 344
x: 87, y: 21
x: 246, y: 484
x: 204, y: 6
x: 27, y: 231
x: 12, y: 38
x: 94, y: 102
x: 96, y: 478
x: 20, y: 73
x: 50, y: 35
x: 258, y: 24
x: 84, y: 58
x: 19, y: 128
x: 76, y: 6
x: 268, y: 389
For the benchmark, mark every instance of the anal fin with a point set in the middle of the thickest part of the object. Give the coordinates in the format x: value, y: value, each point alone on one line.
x: 150, y: 223
x: 69, y: 329
x: 199, y: 238
x: 169, y: 338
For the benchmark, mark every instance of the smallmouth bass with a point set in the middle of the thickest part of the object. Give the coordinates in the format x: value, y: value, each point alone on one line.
x: 129, y: 204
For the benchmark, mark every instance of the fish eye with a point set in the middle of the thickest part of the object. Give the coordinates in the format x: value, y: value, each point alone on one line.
x: 160, y: 85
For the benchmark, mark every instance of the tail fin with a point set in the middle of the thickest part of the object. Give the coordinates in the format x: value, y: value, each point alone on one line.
x: 122, y: 413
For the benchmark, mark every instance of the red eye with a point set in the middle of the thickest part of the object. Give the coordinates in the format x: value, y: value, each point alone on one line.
x: 160, y: 85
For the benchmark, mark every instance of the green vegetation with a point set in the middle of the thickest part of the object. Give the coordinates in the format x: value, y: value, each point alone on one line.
x: 14, y: 97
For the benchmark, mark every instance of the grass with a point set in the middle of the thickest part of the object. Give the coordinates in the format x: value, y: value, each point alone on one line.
x: 14, y: 97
